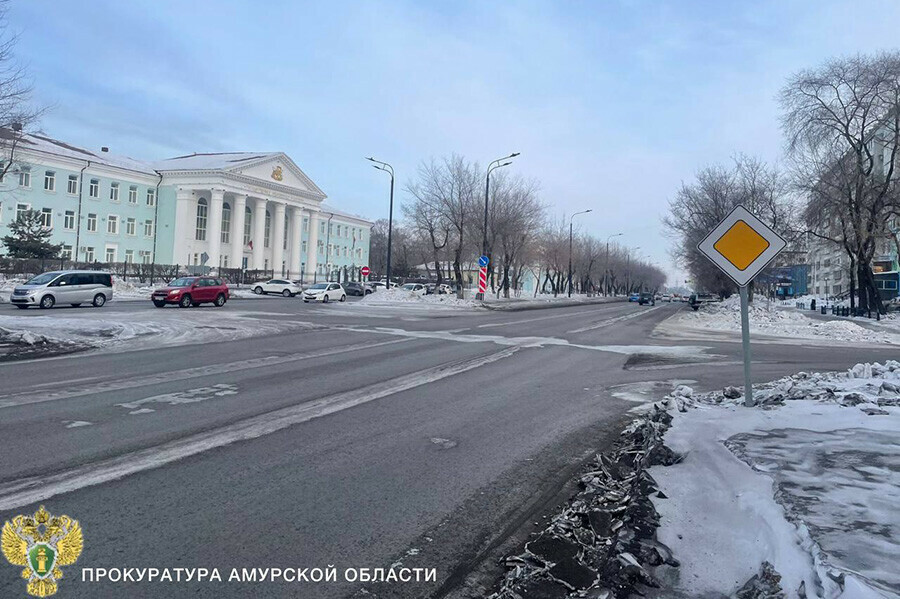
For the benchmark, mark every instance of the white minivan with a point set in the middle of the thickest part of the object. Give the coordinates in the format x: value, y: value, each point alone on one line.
x: 73, y: 287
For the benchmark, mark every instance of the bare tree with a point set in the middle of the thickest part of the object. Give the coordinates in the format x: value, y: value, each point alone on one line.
x: 842, y: 123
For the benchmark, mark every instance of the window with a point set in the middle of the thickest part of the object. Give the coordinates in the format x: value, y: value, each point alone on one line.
x: 303, y: 247
x: 21, y: 209
x: 94, y: 189
x: 223, y: 259
x: 145, y: 256
x: 25, y: 177
x: 49, y: 181
x: 148, y: 228
x: 72, y: 185
x: 151, y: 197
x: 110, y: 254
x: 132, y: 194
x: 66, y: 252
x: 113, y: 192
x: 338, y: 230
x: 69, y: 220
x: 320, y: 247
x: 202, y: 212
x: 112, y: 225
x: 131, y: 226
x: 226, y: 223
x: 129, y: 256
x: 268, y: 229
x: 248, y: 217
x: 322, y: 227
x: 306, y: 225
x: 89, y: 254
x: 92, y: 222
x: 46, y: 218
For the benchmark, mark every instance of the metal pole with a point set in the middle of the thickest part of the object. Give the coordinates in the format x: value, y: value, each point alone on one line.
x: 390, y: 230
x: 570, y: 256
x: 487, y: 188
x: 745, y: 341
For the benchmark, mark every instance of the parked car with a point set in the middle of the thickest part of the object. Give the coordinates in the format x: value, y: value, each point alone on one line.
x: 279, y: 286
x: 444, y: 289
x: 377, y: 285
x: 191, y: 291
x: 325, y: 292
x: 666, y: 297
x: 647, y: 298
x: 355, y: 288
x: 414, y: 288
x: 73, y: 287
x: 634, y: 297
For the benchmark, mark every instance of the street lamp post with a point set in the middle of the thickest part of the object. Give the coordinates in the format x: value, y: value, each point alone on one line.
x: 494, y: 165
x: 628, y: 269
x: 570, y: 246
x: 384, y: 166
x: 607, y: 261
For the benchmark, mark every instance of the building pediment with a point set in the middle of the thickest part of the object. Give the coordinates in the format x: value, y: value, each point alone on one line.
x: 277, y: 169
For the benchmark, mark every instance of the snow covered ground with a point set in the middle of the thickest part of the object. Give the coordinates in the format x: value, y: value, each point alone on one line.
x: 809, y: 480
x: 401, y: 298
x: 767, y: 318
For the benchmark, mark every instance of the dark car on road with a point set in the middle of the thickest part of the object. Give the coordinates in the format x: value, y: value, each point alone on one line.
x: 185, y: 292
x: 361, y: 289
x: 647, y: 298
x: 698, y: 299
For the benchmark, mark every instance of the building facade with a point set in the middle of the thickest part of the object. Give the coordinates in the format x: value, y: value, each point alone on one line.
x: 241, y: 210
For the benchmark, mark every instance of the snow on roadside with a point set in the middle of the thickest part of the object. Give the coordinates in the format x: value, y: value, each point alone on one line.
x: 809, y: 481
x: 767, y: 319
x: 398, y: 297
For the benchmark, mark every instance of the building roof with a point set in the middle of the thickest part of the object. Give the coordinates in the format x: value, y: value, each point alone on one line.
x: 327, y: 209
x: 211, y: 161
x: 47, y: 145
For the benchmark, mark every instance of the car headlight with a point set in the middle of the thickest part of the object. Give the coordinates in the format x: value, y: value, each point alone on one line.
x: 173, y: 292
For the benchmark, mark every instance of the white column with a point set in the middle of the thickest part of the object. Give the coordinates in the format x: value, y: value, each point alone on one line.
x: 185, y: 223
x: 312, y: 240
x: 259, y: 233
x: 214, y: 226
x: 295, y: 241
x: 238, y: 208
x: 278, y: 238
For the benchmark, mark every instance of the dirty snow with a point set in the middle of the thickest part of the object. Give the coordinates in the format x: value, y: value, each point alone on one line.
x: 767, y: 318
x: 809, y: 481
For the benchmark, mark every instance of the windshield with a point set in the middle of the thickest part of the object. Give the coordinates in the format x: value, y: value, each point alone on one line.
x: 182, y: 282
x: 43, y: 279
x: 318, y: 287
x: 409, y: 286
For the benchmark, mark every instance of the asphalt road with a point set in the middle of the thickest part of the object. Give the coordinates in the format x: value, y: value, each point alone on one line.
x: 375, y: 437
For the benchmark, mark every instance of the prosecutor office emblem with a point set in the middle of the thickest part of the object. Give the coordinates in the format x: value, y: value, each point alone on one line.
x: 42, y: 543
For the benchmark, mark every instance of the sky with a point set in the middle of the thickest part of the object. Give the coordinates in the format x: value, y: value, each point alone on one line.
x: 612, y: 104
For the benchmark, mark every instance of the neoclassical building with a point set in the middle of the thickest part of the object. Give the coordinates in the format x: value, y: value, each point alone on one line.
x: 255, y: 211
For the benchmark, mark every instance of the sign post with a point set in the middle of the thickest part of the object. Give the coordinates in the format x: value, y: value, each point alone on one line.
x: 482, y: 276
x: 741, y: 246
x: 364, y: 271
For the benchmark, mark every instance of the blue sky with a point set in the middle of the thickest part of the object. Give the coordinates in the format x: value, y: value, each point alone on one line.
x: 612, y: 104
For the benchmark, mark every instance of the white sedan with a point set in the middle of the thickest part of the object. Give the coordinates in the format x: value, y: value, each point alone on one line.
x: 279, y: 286
x: 415, y: 288
x: 325, y: 292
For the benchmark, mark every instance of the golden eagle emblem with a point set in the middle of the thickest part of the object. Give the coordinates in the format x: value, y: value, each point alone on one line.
x: 277, y: 174
x: 42, y: 543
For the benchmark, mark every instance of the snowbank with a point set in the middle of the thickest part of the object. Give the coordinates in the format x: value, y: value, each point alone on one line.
x: 768, y: 319
x: 808, y: 480
x: 398, y: 296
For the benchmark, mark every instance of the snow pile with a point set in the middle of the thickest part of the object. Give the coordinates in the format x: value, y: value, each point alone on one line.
x: 6, y: 288
x: 399, y: 296
x: 808, y: 481
x: 131, y: 289
x: 767, y: 319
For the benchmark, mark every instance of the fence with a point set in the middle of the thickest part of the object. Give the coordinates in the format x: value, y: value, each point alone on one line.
x: 149, y: 274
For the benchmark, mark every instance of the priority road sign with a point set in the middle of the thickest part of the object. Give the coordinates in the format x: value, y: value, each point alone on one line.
x: 741, y: 245
x: 364, y: 271
x: 483, y: 261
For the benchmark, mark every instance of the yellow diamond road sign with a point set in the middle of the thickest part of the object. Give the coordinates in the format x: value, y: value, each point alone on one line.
x: 741, y: 245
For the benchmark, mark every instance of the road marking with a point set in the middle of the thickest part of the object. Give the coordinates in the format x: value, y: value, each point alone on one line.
x: 32, y: 397
x: 38, y: 488
x: 527, y: 320
x: 183, y: 397
x: 78, y: 423
x: 617, y: 319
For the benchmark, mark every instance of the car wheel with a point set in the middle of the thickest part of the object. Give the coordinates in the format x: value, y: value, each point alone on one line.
x: 47, y: 301
x: 99, y: 300
x: 185, y: 301
x: 159, y: 304
x: 220, y: 300
x: 368, y: 292
x: 21, y: 307
x: 304, y: 301
x: 286, y: 293
x: 325, y: 299
x: 76, y: 305
x: 258, y: 290
x: 343, y: 298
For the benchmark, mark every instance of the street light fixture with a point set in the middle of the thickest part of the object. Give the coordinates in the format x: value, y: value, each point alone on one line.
x: 492, y: 166
x: 607, y: 260
x: 570, y: 246
x: 384, y: 166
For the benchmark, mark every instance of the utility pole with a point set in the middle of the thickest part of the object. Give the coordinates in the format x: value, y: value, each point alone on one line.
x: 570, y: 246
x: 608, y: 273
x: 384, y: 166
x: 493, y: 165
